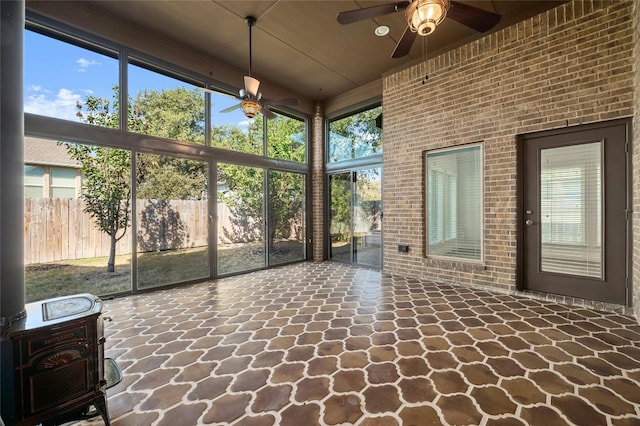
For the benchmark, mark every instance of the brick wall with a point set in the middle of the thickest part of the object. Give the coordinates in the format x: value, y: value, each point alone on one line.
x: 570, y: 65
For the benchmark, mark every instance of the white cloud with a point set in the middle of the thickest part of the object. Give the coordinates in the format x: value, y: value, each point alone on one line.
x: 62, y: 105
x: 85, y: 64
x: 35, y: 88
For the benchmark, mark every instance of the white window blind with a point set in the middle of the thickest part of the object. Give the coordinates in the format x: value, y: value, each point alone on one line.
x: 33, y: 182
x: 571, y: 209
x: 63, y: 183
x: 454, y: 202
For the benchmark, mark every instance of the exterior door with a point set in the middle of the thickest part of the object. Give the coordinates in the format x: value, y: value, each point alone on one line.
x: 355, y: 222
x: 574, y: 212
x: 367, y: 216
x: 340, y: 217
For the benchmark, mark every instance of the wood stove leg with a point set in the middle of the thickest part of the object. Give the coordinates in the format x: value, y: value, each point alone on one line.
x: 101, y: 405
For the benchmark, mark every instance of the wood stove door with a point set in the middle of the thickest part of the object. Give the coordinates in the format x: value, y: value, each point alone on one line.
x: 58, y: 368
x: 58, y: 377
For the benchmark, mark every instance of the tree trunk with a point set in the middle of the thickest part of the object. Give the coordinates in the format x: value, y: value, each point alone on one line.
x: 111, y: 267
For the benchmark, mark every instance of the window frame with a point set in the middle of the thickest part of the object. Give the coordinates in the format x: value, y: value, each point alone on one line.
x: 70, y: 131
x: 446, y: 232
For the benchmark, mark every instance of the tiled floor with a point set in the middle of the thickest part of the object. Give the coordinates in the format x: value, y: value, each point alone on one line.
x: 330, y: 344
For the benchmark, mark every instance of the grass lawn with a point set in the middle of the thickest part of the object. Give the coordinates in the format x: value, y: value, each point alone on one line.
x: 46, y: 280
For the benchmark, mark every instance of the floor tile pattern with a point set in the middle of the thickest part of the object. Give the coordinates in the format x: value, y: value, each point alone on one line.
x: 332, y: 344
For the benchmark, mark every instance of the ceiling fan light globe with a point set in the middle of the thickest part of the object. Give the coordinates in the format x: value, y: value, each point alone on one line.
x: 250, y: 108
x: 423, y: 16
x: 426, y: 28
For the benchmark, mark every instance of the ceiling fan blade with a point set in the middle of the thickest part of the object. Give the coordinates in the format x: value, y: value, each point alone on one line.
x: 251, y: 85
x: 370, y: 12
x: 267, y: 113
x: 478, y: 19
x: 404, y: 45
x: 287, y: 102
x: 231, y: 108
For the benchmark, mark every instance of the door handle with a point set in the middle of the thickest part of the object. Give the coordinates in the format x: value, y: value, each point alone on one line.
x: 529, y: 222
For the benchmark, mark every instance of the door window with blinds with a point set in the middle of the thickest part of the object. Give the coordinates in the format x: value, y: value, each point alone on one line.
x: 454, y: 202
x: 571, y: 209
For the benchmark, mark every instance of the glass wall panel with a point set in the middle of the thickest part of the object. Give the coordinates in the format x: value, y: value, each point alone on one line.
x: 367, y: 216
x: 340, y: 216
x: 81, y: 82
x: 232, y: 130
x: 240, y: 218
x: 172, y: 220
x: 355, y: 136
x: 286, y: 138
x: 286, y: 217
x: 164, y: 106
x: 81, y: 245
x: 69, y: 82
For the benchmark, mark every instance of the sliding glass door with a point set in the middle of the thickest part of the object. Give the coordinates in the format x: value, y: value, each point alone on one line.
x: 355, y: 222
x: 172, y: 220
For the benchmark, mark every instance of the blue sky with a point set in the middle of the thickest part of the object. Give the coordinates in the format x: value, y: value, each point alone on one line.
x: 57, y: 75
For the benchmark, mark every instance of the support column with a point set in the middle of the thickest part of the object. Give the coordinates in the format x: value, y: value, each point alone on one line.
x: 317, y: 185
x: 635, y: 174
x: 12, y: 290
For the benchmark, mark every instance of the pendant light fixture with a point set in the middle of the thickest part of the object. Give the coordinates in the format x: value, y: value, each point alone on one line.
x: 423, y: 16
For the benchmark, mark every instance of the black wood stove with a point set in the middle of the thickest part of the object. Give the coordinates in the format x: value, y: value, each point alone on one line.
x: 52, y: 362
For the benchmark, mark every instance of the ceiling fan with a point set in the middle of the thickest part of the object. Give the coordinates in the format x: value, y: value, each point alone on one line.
x: 422, y: 18
x: 251, y: 100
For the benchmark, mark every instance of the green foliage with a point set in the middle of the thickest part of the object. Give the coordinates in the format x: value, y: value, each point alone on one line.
x: 106, y: 189
x: 286, y: 190
x: 355, y: 136
x: 232, y: 137
x: 351, y: 137
x: 286, y: 205
x: 340, y: 206
x: 170, y: 178
x: 176, y: 114
x: 106, y: 173
x: 286, y: 138
x: 245, y: 194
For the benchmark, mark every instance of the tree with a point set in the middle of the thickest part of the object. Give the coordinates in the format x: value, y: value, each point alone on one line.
x: 105, y: 171
x: 355, y: 136
x: 351, y: 137
x: 176, y: 114
x: 106, y: 190
x: 245, y: 196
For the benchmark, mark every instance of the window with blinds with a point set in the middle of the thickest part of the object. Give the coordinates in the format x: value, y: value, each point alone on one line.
x: 571, y: 209
x: 454, y: 202
x: 63, y: 183
x: 33, y: 181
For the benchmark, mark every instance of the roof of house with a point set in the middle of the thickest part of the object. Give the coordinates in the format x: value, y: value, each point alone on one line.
x: 46, y: 152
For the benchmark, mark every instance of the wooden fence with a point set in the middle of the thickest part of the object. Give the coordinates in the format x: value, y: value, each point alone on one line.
x: 59, y: 229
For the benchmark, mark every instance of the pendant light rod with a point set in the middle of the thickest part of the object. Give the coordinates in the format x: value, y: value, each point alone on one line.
x: 251, y: 21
